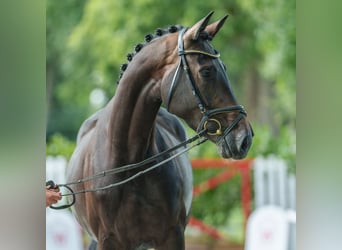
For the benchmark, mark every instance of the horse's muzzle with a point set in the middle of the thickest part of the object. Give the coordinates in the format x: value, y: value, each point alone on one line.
x: 235, y: 145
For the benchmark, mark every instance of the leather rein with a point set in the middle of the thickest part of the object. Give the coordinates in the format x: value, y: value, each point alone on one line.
x: 201, y: 130
x: 197, y: 137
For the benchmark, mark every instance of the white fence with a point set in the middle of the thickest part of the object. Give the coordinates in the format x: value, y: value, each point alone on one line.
x: 272, y: 225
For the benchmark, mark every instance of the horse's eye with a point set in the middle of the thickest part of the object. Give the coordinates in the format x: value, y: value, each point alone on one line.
x: 207, y: 71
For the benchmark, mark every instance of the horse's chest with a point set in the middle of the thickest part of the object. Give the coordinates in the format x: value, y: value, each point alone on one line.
x: 150, y: 200
x: 148, y: 210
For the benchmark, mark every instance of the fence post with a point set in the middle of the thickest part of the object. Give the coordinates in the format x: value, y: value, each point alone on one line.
x: 275, y: 195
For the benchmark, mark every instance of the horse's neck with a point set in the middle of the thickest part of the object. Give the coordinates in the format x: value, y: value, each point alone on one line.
x: 134, y: 108
x: 132, y: 116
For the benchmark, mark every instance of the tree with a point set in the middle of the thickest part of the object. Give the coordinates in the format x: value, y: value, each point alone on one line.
x: 62, y: 115
x: 258, y: 45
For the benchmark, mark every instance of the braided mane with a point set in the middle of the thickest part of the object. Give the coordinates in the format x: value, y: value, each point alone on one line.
x: 148, y: 38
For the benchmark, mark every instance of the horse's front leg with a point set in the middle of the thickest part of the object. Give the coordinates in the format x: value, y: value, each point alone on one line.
x: 107, y: 242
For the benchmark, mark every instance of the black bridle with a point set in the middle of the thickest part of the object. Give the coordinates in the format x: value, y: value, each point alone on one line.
x: 207, y: 113
x: 202, y: 129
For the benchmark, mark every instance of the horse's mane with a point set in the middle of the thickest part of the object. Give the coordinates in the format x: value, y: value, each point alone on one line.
x: 148, y: 38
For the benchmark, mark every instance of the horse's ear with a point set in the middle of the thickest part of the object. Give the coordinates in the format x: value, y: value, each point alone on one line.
x: 197, y: 28
x: 215, y: 27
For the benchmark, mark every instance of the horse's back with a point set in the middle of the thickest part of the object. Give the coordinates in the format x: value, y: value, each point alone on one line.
x: 88, y: 125
x: 171, y: 124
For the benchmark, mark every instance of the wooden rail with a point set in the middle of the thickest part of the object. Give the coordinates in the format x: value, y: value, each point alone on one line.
x: 229, y: 168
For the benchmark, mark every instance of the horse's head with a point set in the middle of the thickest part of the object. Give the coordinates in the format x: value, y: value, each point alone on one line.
x: 197, y: 89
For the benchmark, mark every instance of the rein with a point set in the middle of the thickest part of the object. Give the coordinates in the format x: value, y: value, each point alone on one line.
x: 128, y: 167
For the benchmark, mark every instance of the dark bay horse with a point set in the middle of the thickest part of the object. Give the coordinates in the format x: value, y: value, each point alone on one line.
x: 180, y: 68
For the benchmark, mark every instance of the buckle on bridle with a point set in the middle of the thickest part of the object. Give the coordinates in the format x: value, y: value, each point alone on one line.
x: 217, y: 130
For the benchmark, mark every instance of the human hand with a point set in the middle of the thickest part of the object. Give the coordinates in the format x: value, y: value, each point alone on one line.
x: 52, y: 196
x: 54, y: 188
x: 51, y: 185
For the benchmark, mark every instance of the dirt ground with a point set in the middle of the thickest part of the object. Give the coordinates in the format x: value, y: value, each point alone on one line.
x: 201, y: 243
x: 193, y: 244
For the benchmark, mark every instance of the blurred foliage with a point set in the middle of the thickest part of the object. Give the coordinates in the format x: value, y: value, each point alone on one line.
x: 88, y: 40
x: 283, y: 146
x: 60, y: 145
x: 214, y: 206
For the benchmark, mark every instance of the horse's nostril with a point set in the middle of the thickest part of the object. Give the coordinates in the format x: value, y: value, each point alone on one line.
x: 245, y: 144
